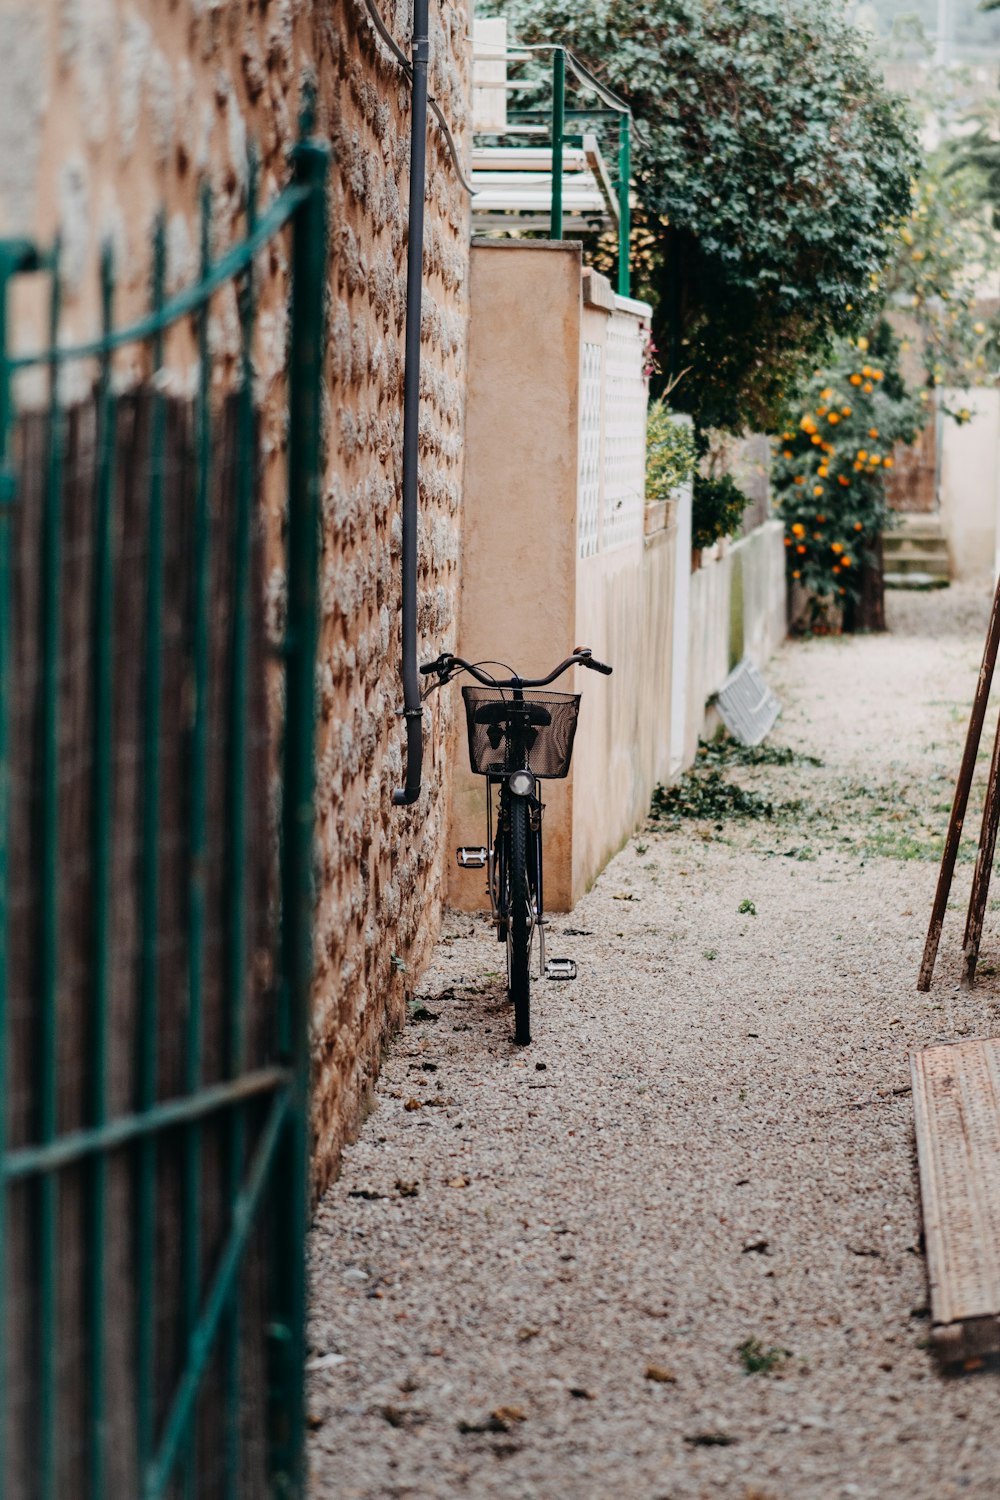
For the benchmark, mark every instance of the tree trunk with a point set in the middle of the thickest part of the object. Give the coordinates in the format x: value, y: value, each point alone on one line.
x: 868, y: 612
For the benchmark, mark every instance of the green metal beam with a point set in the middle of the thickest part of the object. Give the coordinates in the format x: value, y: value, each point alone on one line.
x: 198, y: 853
x: 239, y: 709
x: 183, y: 303
x: 101, y: 840
x: 149, y: 893
x: 125, y: 1130
x: 309, y: 279
x: 158, y: 1474
x: 624, y: 208
x: 15, y: 256
x: 49, y: 932
x: 558, y: 133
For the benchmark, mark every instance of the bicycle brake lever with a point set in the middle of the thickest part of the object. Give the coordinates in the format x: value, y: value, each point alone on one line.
x: 440, y: 665
x: 588, y: 659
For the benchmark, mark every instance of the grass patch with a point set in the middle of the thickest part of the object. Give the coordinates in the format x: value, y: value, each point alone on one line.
x: 709, y: 797
x: 725, y: 751
x: 756, y: 1359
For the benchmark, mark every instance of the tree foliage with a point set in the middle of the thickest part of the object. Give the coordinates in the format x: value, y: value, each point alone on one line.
x: 772, y: 165
x: 944, y: 250
x: 831, y: 460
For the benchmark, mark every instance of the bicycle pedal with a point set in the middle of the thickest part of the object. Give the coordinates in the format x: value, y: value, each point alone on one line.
x: 560, y: 968
x: 470, y: 857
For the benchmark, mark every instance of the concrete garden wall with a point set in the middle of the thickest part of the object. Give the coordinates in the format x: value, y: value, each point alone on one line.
x: 738, y: 607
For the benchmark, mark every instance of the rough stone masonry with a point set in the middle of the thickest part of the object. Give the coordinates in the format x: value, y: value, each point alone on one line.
x: 116, y: 111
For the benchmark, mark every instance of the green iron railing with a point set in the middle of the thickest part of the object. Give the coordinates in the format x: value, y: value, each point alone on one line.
x: 615, y: 112
x: 264, y: 1161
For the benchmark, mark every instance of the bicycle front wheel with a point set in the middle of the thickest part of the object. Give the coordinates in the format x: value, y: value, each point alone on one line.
x: 519, y: 922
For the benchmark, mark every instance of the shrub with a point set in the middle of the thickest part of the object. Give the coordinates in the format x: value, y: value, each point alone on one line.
x: 670, y: 452
x: 717, y: 509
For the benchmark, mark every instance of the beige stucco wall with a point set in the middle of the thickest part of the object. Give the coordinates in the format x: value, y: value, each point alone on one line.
x: 969, y: 485
x: 116, y: 109
x: 527, y: 596
x: 624, y: 612
x: 519, y: 535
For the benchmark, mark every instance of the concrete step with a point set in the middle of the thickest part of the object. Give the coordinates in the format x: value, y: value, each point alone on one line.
x: 917, y: 526
x: 904, y: 547
x: 916, y: 581
x: 918, y: 563
x: 923, y: 536
x: 904, y: 541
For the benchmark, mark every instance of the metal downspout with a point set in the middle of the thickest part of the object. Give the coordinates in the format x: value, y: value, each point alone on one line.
x: 412, y: 711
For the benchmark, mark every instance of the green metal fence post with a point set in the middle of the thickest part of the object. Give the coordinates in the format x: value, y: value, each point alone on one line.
x: 15, y: 256
x: 309, y: 253
x: 624, y: 211
x: 101, y: 819
x: 150, y: 897
x: 236, y: 963
x: 558, y: 135
x: 48, y: 1084
x: 193, y: 1045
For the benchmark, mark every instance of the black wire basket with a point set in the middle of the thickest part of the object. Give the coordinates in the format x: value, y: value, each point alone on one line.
x: 506, y: 733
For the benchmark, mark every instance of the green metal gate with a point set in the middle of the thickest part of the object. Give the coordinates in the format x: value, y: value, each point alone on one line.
x: 156, y: 890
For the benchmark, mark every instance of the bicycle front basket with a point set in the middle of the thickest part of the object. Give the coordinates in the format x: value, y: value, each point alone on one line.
x: 504, y: 732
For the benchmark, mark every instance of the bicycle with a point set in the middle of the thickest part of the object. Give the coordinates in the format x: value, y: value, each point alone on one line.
x: 518, y: 736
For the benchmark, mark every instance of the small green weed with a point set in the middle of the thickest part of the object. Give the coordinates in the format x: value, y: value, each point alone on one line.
x: 758, y: 1360
x: 746, y: 908
x: 710, y: 954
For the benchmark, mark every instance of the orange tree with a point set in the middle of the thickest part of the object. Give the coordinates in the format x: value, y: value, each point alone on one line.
x: 830, y: 466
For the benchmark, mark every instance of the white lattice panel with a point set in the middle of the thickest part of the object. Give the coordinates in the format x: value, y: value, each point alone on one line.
x: 624, y: 432
x: 588, y: 517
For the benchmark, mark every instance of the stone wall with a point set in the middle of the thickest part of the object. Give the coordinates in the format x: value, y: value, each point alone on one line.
x: 116, y: 111
x: 382, y: 866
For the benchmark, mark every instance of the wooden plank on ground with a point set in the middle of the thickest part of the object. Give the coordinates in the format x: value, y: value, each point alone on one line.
x: 956, y: 1107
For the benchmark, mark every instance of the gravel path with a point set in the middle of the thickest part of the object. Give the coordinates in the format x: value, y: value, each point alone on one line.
x: 536, y: 1272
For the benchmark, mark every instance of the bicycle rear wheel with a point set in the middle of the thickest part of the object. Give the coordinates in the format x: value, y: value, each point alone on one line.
x: 519, y: 922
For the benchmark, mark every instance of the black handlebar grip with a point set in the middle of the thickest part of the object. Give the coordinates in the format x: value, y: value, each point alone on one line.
x: 599, y: 666
x: 428, y: 667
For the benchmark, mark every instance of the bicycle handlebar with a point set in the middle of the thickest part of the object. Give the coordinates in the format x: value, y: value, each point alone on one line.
x: 446, y: 666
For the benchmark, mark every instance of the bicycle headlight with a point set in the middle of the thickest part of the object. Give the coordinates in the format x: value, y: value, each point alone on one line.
x: 522, y: 783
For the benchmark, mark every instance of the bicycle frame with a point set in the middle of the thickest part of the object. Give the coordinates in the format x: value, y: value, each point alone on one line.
x: 494, y: 861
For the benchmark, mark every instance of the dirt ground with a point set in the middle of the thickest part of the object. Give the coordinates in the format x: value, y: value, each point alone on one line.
x: 672, y: 1251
